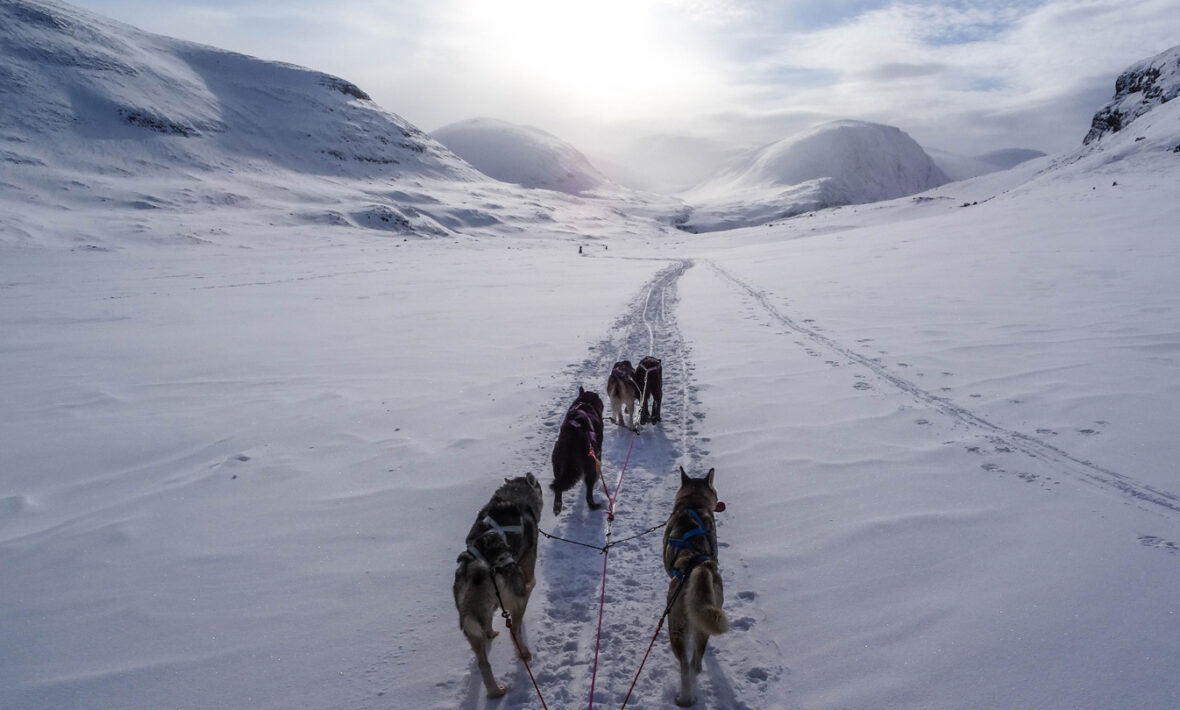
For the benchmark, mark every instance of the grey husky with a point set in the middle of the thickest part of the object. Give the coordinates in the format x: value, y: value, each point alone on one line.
x: 497, y: 569
x: 695, y: 592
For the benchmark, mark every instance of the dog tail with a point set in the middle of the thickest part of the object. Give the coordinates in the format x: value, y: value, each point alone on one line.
x: 701, y: 603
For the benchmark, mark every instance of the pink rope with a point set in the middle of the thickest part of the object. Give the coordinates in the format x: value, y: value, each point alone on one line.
x: 610, y: 516
x: 598, y: 637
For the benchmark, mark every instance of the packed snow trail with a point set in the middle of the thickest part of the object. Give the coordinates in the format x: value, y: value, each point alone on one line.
x: 1004, y: 439
x: 562, y: 618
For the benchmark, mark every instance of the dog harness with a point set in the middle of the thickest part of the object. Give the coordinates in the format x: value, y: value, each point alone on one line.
x: 505, y: 558
x: 684, y: 542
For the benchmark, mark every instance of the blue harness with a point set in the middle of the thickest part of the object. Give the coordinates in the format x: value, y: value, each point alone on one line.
x: 684, y: 542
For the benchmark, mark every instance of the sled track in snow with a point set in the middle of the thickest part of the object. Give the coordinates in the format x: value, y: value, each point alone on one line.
x: 1087, y: 471
x: 560, y: 625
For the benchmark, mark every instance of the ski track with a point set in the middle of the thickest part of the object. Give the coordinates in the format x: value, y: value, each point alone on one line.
x: 1145, y: 496
x: 740, y: 668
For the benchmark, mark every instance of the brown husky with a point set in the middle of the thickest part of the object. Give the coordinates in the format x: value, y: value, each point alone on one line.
x: 497, y: 569
x: 623, y: 391
x: 695, y: 593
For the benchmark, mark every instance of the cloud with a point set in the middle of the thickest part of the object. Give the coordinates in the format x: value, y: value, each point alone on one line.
x: 998, y: 74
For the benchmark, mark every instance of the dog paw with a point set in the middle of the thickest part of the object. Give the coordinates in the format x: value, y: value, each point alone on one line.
x: 498, y: 691
x: 526, y: 655
x: 594, y: 505
x: 685, y: 702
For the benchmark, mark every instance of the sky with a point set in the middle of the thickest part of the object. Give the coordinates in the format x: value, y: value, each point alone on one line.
x: 638, y: 77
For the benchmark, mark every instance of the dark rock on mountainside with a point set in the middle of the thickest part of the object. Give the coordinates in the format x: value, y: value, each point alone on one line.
x: 1140, y: 88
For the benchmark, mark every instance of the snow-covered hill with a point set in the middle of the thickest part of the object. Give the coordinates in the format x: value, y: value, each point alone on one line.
x: 88, y: 92
x: 836, y: 163
x: 521, y: 155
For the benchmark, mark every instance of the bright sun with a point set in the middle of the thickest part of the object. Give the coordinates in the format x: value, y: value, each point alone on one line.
x: 610, y: 57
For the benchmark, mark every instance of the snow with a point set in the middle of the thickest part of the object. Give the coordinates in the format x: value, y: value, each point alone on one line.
x: 247, y: 422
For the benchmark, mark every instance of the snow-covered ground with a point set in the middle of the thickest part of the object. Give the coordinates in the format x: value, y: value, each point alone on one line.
x: 242, y: 440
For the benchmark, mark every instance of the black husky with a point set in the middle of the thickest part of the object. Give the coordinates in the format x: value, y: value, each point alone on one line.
x: 578, y: 451
x: 650, y: 378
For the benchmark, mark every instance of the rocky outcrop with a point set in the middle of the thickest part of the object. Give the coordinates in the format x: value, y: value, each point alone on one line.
x: 1139, y: 89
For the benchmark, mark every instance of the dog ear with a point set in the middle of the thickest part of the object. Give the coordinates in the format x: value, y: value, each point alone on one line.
x: 709, y: 477
x: 684, y: 479
x: 581, y: 390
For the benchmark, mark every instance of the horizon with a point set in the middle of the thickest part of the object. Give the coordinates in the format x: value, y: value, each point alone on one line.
x: 630, y: 84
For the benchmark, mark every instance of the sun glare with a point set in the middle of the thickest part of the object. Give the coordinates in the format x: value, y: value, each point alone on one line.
x: 609, y: 57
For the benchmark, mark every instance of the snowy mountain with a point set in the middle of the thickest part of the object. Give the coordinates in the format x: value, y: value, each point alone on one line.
x: 521, y: 155
x: 836, y: 163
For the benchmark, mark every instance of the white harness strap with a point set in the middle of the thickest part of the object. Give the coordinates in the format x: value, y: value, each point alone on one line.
x: 501, y: 530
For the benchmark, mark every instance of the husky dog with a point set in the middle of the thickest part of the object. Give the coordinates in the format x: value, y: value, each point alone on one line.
x: 496, y: 569
x: 578, y: 451
x: 694, y: 593
x: 623, y: 391
x: 650, y: 378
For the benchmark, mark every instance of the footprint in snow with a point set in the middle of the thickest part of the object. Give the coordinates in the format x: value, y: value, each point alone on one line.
x: 743, y: 624
x: 1159, y: 544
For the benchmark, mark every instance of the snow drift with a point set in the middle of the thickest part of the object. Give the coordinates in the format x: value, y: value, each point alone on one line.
x: 521, y: 155
x: 836, y: 163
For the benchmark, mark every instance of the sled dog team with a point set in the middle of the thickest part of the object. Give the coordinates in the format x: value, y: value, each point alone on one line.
x: 496, y: 571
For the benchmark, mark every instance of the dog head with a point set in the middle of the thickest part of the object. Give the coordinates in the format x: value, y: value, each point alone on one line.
x: 623, y: 368
x: 525, y: 492
x: 649, y: 363
x: 696, y: 493
x: 590, y: 398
